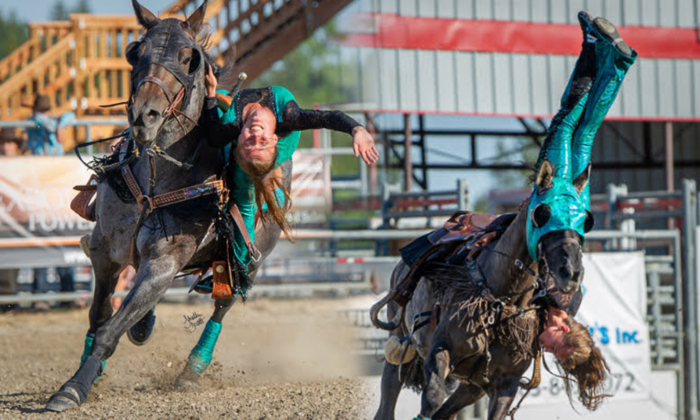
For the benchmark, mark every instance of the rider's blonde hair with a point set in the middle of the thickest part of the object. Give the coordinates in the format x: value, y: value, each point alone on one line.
x: 585, y: 365
x: 266, y: 180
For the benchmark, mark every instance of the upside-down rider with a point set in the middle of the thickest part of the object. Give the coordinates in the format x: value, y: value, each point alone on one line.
x: 262, y: 127
x: 594, y: 84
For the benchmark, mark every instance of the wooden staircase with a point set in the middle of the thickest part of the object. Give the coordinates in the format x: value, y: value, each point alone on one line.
x: 80, y: 62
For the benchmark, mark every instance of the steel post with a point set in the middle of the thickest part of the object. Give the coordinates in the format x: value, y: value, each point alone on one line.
x: 407, y: 162
x: 463, y: 194
x: 690, y: 298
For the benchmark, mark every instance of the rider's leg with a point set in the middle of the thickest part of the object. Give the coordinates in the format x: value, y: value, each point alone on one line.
x: 557, y: 143
x: 613, y: 59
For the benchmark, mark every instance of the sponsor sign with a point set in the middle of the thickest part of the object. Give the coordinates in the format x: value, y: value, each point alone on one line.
x: 38, y: 228
x: 311, y: 189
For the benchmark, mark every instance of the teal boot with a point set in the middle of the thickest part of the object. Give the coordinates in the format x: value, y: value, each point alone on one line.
x: 201, y: 354
x: 613, y: 59
x: 557, y: 144
x: 87, y: 350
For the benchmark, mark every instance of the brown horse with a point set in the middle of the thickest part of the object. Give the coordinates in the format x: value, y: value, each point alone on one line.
x: 447, y: 353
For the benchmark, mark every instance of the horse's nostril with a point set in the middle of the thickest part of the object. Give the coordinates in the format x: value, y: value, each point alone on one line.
x: 564, y: 272
x: 150, y: 117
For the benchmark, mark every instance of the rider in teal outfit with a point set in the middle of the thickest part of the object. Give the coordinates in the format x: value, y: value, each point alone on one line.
x: 604, y: 60
x: 263, y: 126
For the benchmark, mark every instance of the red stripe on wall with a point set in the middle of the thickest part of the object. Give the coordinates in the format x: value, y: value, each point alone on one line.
x: 410, y: 32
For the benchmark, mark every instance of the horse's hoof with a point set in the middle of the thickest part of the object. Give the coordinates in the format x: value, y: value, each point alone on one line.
x: 142, y: 331
x: 62, y: 400
x: 187, y: 380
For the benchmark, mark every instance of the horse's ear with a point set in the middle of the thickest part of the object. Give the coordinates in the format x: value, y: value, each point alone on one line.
x: 145, y: 17
x: 581, y: 180
x: 197, y: 19
x: 544, y: 175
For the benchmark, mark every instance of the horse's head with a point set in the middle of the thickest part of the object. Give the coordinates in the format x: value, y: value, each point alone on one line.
x: 557, y: 221
x: 168, y: 71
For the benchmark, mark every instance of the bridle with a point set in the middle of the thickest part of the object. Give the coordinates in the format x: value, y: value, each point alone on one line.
x: 161, y: 46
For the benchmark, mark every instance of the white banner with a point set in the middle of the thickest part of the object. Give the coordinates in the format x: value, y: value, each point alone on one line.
x: 614, y: 308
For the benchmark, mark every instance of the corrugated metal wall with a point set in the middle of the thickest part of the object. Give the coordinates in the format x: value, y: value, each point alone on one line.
x: 518, y: 84
x: 626, y: 141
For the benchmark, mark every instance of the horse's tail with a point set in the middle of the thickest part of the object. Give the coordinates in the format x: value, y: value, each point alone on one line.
x: 374, y: 314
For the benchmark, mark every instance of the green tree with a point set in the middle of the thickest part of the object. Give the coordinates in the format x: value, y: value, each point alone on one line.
x: 59, y: 10
x: 13, y: 33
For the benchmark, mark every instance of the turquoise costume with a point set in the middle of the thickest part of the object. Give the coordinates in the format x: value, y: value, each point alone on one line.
x: 241, y: 186
x: 224, y: 128
x: 591, y: 91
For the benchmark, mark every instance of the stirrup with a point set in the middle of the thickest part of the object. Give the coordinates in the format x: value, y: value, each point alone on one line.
x: 205, y: 286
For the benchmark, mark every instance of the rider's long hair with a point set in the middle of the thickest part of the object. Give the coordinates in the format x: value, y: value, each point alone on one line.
x: 586, y: 366
x: 265, y: 181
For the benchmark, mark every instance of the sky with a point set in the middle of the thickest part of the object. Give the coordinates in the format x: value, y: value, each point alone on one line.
x: 39, y: 10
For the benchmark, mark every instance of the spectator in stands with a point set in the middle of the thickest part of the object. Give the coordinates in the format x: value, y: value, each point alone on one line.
x: 10, y: 144
x: 45, y: 140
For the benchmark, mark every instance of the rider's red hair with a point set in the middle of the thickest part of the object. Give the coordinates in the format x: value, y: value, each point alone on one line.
x: 585, y: 366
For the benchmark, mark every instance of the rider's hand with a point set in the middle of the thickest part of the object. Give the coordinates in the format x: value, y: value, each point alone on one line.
x: 363, y: 145
x: 210, y: 83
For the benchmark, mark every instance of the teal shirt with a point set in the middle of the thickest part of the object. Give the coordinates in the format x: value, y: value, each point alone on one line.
x: 241, y: 189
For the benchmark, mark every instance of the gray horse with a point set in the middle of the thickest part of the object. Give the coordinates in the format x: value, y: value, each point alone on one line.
x: 446, y: 354
x: 169, y: 68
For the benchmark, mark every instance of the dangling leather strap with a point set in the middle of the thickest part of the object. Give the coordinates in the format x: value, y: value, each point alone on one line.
x: 238, y: 218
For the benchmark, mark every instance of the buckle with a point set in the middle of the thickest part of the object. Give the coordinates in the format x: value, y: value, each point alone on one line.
x: 255, y: 254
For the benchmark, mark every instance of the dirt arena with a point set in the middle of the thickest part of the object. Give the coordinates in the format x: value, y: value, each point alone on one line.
x: 275, y: 359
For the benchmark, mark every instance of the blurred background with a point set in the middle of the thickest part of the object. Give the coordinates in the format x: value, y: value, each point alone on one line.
x: 458, y: 94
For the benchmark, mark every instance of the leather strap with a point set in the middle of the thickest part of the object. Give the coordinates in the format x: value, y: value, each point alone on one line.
x: 82, y: 204
x: 238, y: 218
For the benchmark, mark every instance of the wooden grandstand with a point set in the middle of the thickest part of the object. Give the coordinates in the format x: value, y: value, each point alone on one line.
x: 80, y: 62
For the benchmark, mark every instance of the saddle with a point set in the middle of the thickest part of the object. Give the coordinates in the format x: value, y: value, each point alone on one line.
x: 464, y: 231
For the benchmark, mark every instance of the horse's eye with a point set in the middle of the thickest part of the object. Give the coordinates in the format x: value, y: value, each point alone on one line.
x: 540, y: 215
x: 132, y: 52
x: 190, y: 59
x: 589, y: 222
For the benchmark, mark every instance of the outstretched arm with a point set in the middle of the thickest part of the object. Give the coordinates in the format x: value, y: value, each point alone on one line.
x: 297, y: 119
x: 218, y: 134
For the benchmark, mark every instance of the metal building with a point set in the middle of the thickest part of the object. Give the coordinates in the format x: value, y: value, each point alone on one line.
x: 512, y: 58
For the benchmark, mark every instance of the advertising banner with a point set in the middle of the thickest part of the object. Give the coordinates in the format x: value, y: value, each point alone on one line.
x: 614, y: 308
x: 38, y: 228
x: 311, y: 189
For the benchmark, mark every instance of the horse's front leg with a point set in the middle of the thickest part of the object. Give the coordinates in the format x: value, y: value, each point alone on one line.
x: 152, y: 280
x: 105, y: 282
x: 202, y: 353
x: 436, y: 368
x: 465, y: 395
x: 501, y: 396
